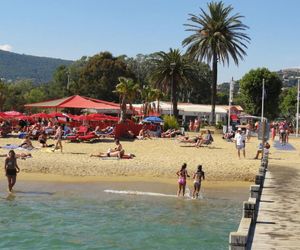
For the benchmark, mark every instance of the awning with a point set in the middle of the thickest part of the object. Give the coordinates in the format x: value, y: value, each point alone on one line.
x: 75, y: 101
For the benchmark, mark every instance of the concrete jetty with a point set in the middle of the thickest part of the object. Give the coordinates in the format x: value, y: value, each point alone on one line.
x: 278, y: 220
x: 271, y: 216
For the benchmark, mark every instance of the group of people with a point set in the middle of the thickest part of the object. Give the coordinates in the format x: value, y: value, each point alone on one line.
x: 198, y: 176
x: 42, y: 139
x: 118, y: 152
x: 198, y: 140
x: 194, y: 125
x: 283, y: 129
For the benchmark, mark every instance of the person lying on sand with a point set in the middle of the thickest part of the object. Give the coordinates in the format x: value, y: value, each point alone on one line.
x: 118, y: 151
x: 22, y: 156
x: 171, y: 133
x: 187, y: 139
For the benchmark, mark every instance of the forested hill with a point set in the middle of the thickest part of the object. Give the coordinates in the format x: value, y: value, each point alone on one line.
x: 15, y: 66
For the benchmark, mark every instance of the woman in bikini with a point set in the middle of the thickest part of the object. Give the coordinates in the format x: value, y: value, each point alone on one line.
x: 182, y: 175
x: 198, y: 177
x: 11, y: 169
x: 26, y: 143
x: 58, y: 136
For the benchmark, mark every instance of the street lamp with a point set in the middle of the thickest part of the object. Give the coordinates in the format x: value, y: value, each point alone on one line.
x: 172, y: 66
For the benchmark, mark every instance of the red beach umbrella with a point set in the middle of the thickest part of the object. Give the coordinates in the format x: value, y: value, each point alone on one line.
x: 11, y: 114
x: 40, y: 115
x: 56, y: 114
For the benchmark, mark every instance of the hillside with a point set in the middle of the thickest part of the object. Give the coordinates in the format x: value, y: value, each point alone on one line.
x: 289, y: 77
x: 15, y: 66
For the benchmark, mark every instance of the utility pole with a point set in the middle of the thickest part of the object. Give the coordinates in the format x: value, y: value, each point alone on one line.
x: 262, y: 100
x: 230, y: 101
x: 297, y: 115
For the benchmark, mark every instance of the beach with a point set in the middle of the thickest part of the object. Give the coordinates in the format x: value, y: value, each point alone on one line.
x: 75, y: 201
x: 156, y: 160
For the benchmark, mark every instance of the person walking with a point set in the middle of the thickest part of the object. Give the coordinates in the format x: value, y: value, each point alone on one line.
x: 240, y: 142
x: 58, y: 136
x: 182, y: 174
x: 11, y: 169
x: 198, y: 177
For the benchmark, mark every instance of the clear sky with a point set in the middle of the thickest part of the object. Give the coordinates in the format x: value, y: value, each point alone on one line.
x: 70, y: 29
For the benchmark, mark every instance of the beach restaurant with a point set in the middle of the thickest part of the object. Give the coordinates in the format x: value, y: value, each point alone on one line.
x: 190, y: 111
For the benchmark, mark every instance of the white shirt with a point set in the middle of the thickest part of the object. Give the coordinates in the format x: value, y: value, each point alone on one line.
x: 239, y: 139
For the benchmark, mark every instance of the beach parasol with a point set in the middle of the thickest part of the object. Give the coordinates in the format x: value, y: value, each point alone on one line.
x: 40, y: 115
x: 12, y: 114
x: 153, y: 119
x: 56, y: 114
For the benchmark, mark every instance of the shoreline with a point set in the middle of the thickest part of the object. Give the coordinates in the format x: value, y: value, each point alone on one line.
x: 40, y: 177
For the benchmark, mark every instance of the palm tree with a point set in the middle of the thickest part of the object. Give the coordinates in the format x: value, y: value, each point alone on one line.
x: 158, y: 95
x: 170, y: 73
x: 147, y: 94
x: 127, y: 90
x: 217, y: 36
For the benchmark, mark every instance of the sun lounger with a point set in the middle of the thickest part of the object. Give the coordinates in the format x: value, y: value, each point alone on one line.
x: 87, y: 137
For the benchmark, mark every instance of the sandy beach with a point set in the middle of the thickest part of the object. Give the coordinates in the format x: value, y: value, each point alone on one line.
x: 156, y: 160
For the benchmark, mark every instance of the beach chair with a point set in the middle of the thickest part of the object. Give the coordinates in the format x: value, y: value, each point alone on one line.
x: 110, y: 133
x: 82, y: 131
x: 89, y: 137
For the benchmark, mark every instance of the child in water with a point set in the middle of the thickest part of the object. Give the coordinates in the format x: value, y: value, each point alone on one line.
x: 182, y: 174
x: 198, y: 177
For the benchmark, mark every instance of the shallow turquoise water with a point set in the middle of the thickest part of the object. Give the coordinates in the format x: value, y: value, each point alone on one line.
x: 79, y: 216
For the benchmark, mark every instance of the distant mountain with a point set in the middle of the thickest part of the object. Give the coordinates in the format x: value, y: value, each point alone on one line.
x: 289, y: 77
x: 15, y: 66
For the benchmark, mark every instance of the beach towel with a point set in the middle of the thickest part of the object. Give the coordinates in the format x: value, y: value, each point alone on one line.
x: 12, y: 146
x: 116, y: 158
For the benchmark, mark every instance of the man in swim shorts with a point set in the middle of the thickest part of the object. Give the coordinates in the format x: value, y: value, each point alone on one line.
x: 240, y: 142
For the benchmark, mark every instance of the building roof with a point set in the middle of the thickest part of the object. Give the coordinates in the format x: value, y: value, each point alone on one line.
x: 75, y: 101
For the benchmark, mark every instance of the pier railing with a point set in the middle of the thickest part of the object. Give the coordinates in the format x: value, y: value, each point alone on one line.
x: 241, y: 239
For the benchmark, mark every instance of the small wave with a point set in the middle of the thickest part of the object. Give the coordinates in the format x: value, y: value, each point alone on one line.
x: 129, y: 192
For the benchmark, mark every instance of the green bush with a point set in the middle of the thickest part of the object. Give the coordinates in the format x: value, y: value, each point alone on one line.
x: 219, y: 125
x: 170, y: 122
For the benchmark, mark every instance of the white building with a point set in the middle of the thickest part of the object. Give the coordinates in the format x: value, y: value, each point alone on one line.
x: 190, y: 111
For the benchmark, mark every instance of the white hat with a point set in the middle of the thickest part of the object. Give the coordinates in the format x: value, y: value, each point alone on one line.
x: 239, y: 129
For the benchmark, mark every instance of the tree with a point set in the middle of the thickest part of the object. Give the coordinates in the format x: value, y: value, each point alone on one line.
x: 141, y: 66
x: 16, y: 92
x: 149, y: 95
x: 3, y: 94
x: 58, y: 88
x: 288, y: 102
x: 217, y: 36
x: 127, y: 90
x: 198, y: 89
x: 100, y: 75
x: 172, y: 71
x: 251, y: 92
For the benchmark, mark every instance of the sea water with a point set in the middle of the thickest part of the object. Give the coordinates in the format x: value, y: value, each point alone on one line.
x: 83, y: 216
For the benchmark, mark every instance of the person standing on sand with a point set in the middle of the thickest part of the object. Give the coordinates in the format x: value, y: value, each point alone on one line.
x: 58, y: 136
x: 11, y: 169
x: 240, y: 142
x: 198, y: 177
x: 182, y: 174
